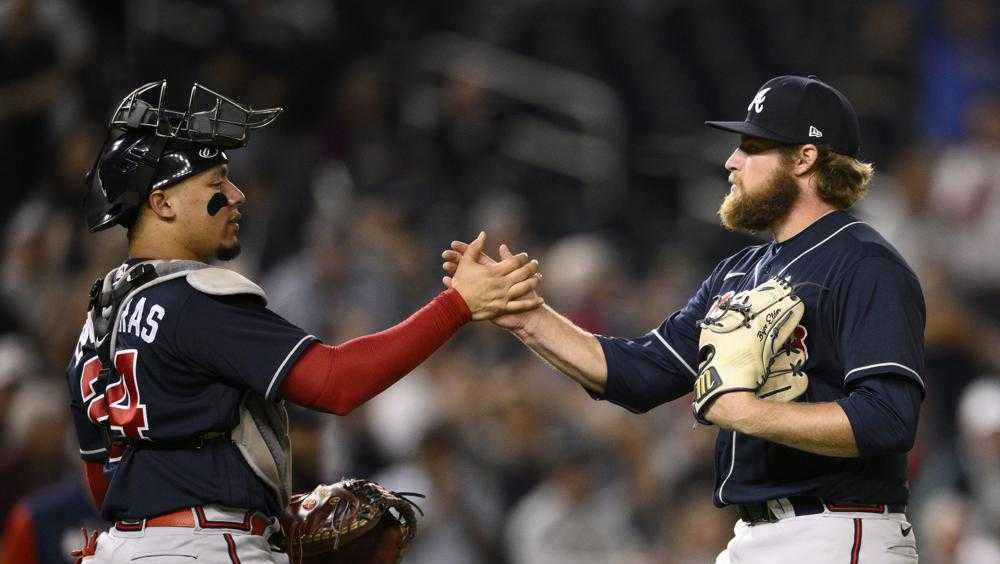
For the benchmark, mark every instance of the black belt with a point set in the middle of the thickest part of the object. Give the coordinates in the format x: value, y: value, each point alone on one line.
x: 193, y: 443
x: 759, y: 512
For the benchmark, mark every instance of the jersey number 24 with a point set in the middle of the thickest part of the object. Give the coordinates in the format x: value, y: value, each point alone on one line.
x: 120, y: 406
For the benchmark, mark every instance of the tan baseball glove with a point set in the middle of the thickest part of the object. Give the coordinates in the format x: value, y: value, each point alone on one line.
x: 786, y: 380
x: 356, y: 521
x: 740, y: 337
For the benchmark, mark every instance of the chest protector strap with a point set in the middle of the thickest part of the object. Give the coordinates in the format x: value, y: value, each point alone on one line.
x: 261, y: 435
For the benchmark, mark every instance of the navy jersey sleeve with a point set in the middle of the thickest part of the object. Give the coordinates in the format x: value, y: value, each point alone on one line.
x: 239, y: 340
x: 883, y: 410
x: 660, y: 366
x: 879, y: 321
x: 81, y: 376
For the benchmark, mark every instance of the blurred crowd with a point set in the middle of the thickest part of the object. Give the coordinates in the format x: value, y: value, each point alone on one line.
x: 568, y: 128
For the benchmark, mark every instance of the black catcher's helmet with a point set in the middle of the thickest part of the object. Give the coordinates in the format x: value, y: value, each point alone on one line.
x: 149, y: 147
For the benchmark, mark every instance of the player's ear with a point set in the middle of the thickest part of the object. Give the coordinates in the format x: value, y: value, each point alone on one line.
x: 804, y: 158
x: 162, y: 204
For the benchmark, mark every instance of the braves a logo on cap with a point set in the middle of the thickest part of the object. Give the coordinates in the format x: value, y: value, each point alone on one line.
x: 758, y: 101
x: 208, y: 153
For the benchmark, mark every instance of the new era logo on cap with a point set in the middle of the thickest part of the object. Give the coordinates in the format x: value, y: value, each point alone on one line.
x: 800, y: 110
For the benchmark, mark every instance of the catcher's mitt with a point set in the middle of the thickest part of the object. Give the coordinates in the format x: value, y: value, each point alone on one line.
x: 356, y: 521
x: 739, y: 338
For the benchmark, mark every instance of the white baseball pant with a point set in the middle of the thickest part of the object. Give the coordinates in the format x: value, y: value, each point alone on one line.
x: 824, y: 538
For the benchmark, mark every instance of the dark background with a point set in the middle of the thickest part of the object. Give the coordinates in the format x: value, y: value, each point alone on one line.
x: 570, y: 129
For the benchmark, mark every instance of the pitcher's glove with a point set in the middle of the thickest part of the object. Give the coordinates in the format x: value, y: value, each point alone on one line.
x: 356, y: 521
x: 786, y: 379
x: 740, y: 337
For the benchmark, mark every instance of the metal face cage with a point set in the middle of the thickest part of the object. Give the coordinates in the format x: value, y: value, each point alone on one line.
x: 210, y: 117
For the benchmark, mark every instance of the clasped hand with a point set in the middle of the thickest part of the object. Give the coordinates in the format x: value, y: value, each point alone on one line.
x: 492, y: 288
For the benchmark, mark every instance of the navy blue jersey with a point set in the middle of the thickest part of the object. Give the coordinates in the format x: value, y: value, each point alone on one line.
x: 184, y: 360
x: 864, y: 317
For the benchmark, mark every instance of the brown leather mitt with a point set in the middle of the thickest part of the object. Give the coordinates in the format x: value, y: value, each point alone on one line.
x: 356, y: 521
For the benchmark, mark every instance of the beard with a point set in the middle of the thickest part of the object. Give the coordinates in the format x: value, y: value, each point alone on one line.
x: 228, y: 252
x: 753, y: 212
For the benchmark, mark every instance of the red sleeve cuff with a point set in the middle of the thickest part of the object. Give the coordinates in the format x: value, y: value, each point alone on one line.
x: 455, y: 305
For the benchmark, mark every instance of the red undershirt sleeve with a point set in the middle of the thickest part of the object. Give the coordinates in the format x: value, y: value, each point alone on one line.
x: 97, y: 482
x: 337, y: 379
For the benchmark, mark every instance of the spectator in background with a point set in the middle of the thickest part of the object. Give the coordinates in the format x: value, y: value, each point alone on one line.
x: 35, y: 452
x: 17, y: 360
x: 367, y: 121
x: 979, y: 433
x: 30, y: 80
x: 962, y: 515
x: 692, y: 528
x: 44, y: 527
x: 965, y: 196
x: 462, y: 508
x: 960, y: 42
x: 573, y: 515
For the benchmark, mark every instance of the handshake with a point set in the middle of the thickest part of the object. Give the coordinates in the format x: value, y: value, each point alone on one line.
x: 499, y: 290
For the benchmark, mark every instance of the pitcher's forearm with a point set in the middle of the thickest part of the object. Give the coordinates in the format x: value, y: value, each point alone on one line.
x: 568, y: 348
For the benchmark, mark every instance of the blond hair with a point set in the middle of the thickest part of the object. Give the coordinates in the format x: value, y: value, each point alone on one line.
x: 841, y: 180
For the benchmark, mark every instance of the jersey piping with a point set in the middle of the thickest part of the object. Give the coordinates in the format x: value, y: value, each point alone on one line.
x: 881, y: 364
x: 732, y: 464
x: 672, y: 351
x: 281, y: 367
x: 803, y: 253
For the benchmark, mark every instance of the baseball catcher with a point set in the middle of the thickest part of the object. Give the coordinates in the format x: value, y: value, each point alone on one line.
x: 179, y: 380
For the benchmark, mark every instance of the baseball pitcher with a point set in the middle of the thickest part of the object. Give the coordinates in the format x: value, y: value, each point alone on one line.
x: 805, y: 351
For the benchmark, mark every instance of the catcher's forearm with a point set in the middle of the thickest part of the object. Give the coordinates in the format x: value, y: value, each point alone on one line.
x: 337, y: 379
x: 568, y: 348
x: 819, y: 428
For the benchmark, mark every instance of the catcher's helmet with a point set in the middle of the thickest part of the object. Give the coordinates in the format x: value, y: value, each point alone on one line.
x: 150, y: 147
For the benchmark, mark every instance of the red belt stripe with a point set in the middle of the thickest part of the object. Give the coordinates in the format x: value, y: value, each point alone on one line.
x: 856, y: 549
x: 233, y: 556
x: 855, y: 508
x: 205, y: 523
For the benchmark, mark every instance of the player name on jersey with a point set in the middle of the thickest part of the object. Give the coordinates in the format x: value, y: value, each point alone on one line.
x: 135, y: 319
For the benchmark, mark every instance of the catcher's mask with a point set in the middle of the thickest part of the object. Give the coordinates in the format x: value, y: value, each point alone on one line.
x: 150, y: 147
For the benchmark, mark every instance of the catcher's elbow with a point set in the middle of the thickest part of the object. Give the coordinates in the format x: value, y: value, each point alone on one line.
x: 343, y: 408
x: 335, y: 405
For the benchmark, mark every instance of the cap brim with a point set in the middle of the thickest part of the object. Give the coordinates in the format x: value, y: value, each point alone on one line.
x: 750, y: 129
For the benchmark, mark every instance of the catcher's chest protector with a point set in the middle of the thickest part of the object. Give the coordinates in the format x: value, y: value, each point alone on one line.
x: 261, y: 436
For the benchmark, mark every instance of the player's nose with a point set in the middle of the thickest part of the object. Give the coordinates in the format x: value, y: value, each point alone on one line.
x: 235, y: 195
x: 735, y: 160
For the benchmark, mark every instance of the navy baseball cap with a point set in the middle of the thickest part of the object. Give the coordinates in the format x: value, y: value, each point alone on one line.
x: 799, y: 110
